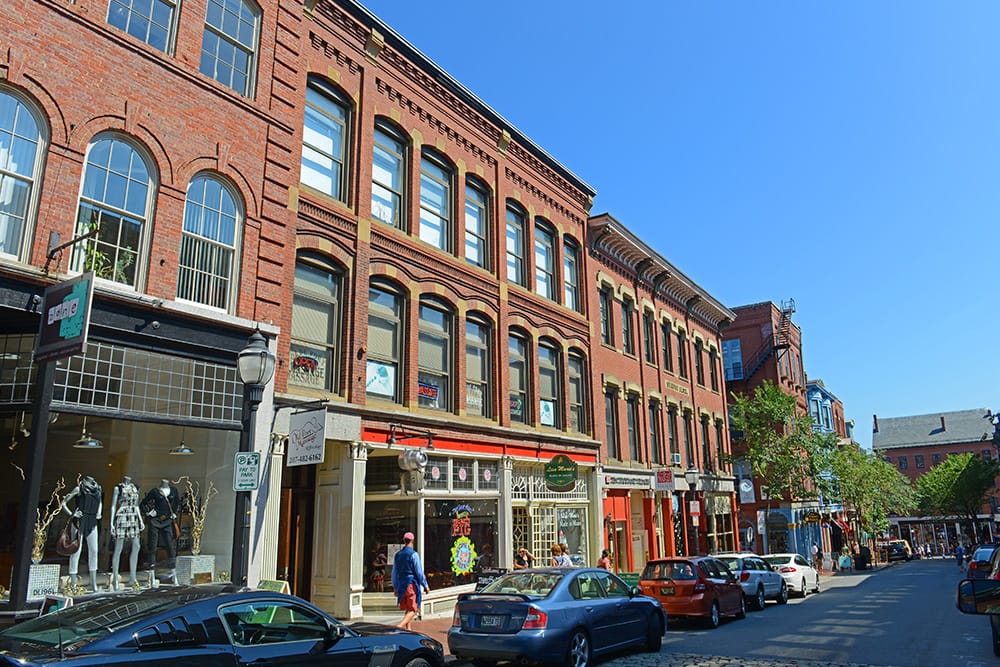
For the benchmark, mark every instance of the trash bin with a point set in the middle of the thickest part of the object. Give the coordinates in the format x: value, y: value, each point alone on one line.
x: 864, y: 558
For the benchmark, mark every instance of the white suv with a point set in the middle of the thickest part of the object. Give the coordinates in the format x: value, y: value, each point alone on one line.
x: 759, y: 580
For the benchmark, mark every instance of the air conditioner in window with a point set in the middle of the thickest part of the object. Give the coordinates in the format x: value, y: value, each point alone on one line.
x: 677, y: 459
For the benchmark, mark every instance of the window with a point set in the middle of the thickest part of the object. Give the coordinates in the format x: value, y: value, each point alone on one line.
x: 688, y: 439
x: 515, y: 247
x: 935, y: 459
x: 208, y: 245
x: 545, y: 261
x: 611, y: 423
x: 435, y: 203
x: 388, y: 158
x: 21, y: 150
x: 229, y: 45
x: 384, y: 344
x: 902, y: 463
x: 605, y: 303
x: 654, y: 432
x: 273, y: 622
x: 706, y: 443
x: 632, y: 426
x: 668, y: 356
x: 720, y: 450
x: 648, y: 340
x: 699, y: 366
x: 478, y: 400
x: 116, y: 196
x: 628, y: 342
x: 576, y: 396
x: 316, y: 326
x: 826, y: 417
x: 549, y: 385
x: 152, y: 21
x: 571, y: 276
x: 987, y: 456
x: 918, y: 459
x: 732, y: 359
x: 434, y: 357
x: 325, y: 141
x: 672, y: 430
x: 713, y: 369
x: 519, y: 398
x: 477, y: 249
x: 682, y: 354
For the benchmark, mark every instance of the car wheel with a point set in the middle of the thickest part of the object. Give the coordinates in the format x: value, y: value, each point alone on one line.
x: 803, y: 591
x: 758, y: 601
x: 783, y: 593
x: 420, y: 662
x: 713, y: 615
x: 742, y: 612
x: 654, y: 633
x: 578, y: 652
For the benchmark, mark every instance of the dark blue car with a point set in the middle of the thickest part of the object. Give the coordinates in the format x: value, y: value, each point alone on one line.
x: 554, y: 615
x: 211, y: 625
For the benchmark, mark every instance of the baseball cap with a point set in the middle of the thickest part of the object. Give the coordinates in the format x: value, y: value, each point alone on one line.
x: 408, y: 536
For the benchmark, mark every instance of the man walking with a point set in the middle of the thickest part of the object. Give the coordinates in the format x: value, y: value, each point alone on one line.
x: 408, y: 581
x: 817, y: 558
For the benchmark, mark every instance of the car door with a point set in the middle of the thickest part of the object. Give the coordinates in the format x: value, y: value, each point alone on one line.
x: 727, y: 588
x: 628, y: 620
x: 770, y: 578
x: 283, y: 632
x: 809, y: 572
x: 592, y: 609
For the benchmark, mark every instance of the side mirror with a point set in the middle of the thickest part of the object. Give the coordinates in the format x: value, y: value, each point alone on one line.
x: 978, y: 596
x: 634, y: 591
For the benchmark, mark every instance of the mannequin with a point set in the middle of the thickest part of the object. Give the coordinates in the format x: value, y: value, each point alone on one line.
x: 89, y: 499
x: 161, y: 505
x: 126, y: 525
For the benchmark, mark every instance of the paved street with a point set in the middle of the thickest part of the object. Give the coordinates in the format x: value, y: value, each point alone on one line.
x: 903, y: 616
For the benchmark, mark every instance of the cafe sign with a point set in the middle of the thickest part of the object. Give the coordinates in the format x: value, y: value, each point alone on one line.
x: 561, y: 474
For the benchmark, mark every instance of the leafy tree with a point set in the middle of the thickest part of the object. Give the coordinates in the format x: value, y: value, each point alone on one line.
x: 958, y: 486
x: 872, y: 486
x: 784, y: 453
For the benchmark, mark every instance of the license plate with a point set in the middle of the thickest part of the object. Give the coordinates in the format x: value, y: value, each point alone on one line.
x: 666, y: 590
x: 490, y: 621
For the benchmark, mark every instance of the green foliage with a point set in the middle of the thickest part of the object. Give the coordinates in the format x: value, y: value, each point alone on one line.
x: 98, y: 261
x: 783, y: 451
x: 872, y: 486
x: 958, y: 486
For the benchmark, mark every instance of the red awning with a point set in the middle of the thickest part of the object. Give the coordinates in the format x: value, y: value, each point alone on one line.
x: 843, y: 526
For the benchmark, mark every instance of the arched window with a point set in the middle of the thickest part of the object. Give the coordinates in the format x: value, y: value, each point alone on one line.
x: 229, y: 44
x: 576, y: 396
x: 385, y: 334
x: 21, y: 146
x: 388, y: 171
x: 571, y: 275
x: 212, y: 226
x: 477, y: 224
x: 152, y: 21
x: 478, y: 371
x: 515, y: 245
x: 325, y: 140
x: 550, y: 390
x: 434, y: 356
x: 117, y: 200
x: 545, y: 260
x: 520, y: 397
x: 436, y: 208
x: 316, y: 325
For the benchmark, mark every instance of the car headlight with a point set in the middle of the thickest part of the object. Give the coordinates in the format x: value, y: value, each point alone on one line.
x: 433, y: 645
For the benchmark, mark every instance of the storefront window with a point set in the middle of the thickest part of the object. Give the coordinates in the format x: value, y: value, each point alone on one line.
x: 461, y: 539
x: 385, y: 523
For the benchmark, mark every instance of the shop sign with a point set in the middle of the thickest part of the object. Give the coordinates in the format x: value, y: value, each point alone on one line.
x: 626, y: 481
x: 246, y: 471
x: 561, y: 474
x: 488, y: 575
x: 664, y: 480
x: 65, y: 318
x: 811, y: 517
x: 306, y: 437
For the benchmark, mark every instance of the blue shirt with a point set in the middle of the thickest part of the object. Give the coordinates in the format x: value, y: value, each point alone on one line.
x: 407, y: 570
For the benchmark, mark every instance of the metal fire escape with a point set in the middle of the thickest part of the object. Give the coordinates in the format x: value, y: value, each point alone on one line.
x: 777, y: 341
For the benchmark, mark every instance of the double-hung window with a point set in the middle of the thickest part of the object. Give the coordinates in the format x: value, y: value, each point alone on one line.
x: 385, y: 332
x: 518, y: 368
x: 713, y: 369
x: 720, y: 447
x: 515, y: 247
x: 116, y: 199
x: 571, y: 276
x: 648, y: 338
x: 151, y: 21
x: 549, y: 385
x: 325, y: 140
x: 388, y: 160
x: 545, y: 261
x: 435, y: 203
x: 477, y: 249
x: 628, y: 327
x: 666, y: 333
x: 434, y: 357
x: 632, y: 426
x: 706, y: 443
x: 478, y: 401
x: 576, y: 395
x: 672, y: 430
x: 688, y: 439
x: 21, y: 152
x: 732, y: 359
x: 229, y: 44
x: 212, y: 225
x: 611, y: 423
x: 605, y: 304
x: 655, y: 440
x: 699, y: 363
x: 316, y: 326
x: 682, y: 369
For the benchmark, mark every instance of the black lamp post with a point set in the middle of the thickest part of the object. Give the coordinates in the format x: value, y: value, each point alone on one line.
x: 693, y: 476
x: 255, y: 365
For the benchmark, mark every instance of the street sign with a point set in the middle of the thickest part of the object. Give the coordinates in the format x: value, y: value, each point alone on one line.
x: 246, y: 471
x: 694, y: 508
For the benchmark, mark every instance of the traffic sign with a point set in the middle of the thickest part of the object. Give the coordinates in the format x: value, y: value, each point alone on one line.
x: 246, y: 471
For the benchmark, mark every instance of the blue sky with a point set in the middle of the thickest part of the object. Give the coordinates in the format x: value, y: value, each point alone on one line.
x: 845, y: 155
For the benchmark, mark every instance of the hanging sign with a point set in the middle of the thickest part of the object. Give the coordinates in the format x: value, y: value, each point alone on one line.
x: 65, y: 318
x: 664, y: 480
x: 561, y: 474
x: 306, y: 437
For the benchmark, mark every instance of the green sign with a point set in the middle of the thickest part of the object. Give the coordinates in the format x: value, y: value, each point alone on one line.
x: 65, y: 318
x: 561, y: 474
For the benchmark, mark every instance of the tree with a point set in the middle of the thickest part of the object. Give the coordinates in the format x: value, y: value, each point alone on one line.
x: 958, y: 486
x: 784, y: 453
x: 872, y: 487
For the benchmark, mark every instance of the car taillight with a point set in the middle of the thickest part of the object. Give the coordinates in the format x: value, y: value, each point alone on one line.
x: 786, y: 569
x: 535, y: 620
x: 972, y: 565
x: 745, y: 576
x: 996, y: 575
x: 456, y: 620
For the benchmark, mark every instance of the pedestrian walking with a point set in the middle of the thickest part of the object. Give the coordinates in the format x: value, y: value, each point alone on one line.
x: 408, y: 581
x: 960, y: 556
x: 605, y: 560
x: 817, y: 558
x: 560, y: 559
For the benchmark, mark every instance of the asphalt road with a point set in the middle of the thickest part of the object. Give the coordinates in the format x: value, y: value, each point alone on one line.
x: 902, y: 616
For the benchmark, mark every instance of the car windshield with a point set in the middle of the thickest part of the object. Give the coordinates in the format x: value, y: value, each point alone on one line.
x: 676, y: 570
x: 88, y: 620
x: 535, y: 584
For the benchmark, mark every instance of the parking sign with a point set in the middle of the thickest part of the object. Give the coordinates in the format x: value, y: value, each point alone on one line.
x: 246, y: 471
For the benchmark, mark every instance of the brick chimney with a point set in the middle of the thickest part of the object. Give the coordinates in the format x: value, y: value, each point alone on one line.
x: 875, y: 425
x: 942, y: 423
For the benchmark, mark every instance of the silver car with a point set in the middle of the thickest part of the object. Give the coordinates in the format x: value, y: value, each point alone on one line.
x: 800, y: 576
x: 759, y: 580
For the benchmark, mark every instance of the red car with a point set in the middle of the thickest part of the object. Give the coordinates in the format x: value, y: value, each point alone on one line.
x: 694, y: 587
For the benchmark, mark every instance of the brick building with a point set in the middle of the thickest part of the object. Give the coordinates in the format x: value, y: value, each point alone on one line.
x: 917, y: 443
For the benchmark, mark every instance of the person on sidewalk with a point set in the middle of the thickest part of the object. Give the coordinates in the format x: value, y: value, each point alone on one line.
x: 817, y: 558
x: 408, y: 581
x: 960, y: 556
x: 523, y: 559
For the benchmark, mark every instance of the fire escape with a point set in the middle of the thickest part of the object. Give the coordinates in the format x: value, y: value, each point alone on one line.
x: 778, y: 340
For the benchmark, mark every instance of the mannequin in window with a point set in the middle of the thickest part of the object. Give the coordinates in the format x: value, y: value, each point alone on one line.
x: 87, y: 511
x: 126, y: 526
x: 161, y: 505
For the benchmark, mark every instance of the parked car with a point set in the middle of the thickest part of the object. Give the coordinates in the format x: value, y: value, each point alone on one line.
x: 896, y: 550
x: 760, y: 581
x: 982, y: 596
x: 701, y: 588
x: 554, y: 615
x: 980, y: 562
x: 800, y: 576
x: 213, y: 624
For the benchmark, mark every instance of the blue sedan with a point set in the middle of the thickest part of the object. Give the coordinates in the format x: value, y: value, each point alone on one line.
x: 554, y: 615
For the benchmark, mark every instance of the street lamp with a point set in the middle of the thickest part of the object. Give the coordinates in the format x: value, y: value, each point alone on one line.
x: 692, y: 476
x: 255, y: 365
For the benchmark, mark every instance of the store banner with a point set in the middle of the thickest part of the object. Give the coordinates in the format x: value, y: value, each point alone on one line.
x: 65, y: 318
x: 306, y: 437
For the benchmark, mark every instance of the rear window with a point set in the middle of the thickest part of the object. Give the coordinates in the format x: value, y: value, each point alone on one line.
x: 983, y: 553
x: 676, y: 570
x: 732, y: 563
x: 533, y: 584
x: 776, y: 560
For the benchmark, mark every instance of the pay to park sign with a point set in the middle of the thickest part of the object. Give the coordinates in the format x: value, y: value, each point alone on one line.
x: 246, y: 471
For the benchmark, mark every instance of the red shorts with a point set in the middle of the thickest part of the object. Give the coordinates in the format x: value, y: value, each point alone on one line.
x: 409, y: 600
